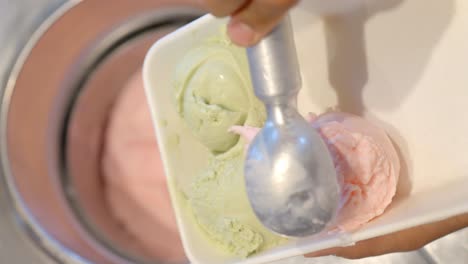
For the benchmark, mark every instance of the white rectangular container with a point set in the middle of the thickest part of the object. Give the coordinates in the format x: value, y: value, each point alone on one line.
x: 401, y: 64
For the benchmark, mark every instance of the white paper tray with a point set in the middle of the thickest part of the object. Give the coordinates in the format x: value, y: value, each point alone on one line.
x: 402, y: 65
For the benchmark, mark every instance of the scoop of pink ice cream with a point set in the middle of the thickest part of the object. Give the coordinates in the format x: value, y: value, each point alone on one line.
x: 135, y: 182
x: 366, y: 162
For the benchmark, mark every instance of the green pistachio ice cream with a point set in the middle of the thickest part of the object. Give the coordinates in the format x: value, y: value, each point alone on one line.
x: 213, y: 92
x: 219, y: 202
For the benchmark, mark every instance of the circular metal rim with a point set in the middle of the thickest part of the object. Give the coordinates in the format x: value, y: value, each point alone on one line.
x: 31, y: 228
x: 48, y: 245
x: 103, y: 49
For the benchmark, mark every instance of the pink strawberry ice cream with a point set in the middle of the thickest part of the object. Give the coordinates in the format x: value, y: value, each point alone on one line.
x: 366, y: 162
x: 135, y: 183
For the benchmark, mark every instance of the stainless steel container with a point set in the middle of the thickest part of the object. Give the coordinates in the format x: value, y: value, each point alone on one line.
x: 54, y: 113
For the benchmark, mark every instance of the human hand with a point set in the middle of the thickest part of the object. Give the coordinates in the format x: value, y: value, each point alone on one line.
x: 250, y: 20
x: 406, y: 240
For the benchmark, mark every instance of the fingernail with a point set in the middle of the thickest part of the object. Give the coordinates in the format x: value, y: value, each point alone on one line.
x: 241, y: 33
x: 316, y: 254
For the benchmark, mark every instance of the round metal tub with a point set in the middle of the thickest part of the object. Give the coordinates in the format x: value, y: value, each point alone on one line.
x: 69, y: 76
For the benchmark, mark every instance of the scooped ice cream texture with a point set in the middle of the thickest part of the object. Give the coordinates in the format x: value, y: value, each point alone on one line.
x: 213, y: 92
x: 213, y: 95
x: 366, y: 162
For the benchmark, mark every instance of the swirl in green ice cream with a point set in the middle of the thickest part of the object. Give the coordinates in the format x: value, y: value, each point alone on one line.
x: 213, y: 92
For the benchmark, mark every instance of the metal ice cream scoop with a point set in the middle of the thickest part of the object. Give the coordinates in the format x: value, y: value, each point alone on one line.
x: 290, y: 177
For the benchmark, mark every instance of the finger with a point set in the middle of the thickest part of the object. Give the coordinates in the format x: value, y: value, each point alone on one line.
x: 223, y: 8
x: 402, y: 241
x: 322, y: 253
x: 367, y: 248
x: 257, y: 19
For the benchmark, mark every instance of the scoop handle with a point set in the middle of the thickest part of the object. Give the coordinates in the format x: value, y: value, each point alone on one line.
x: 274, y: 66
